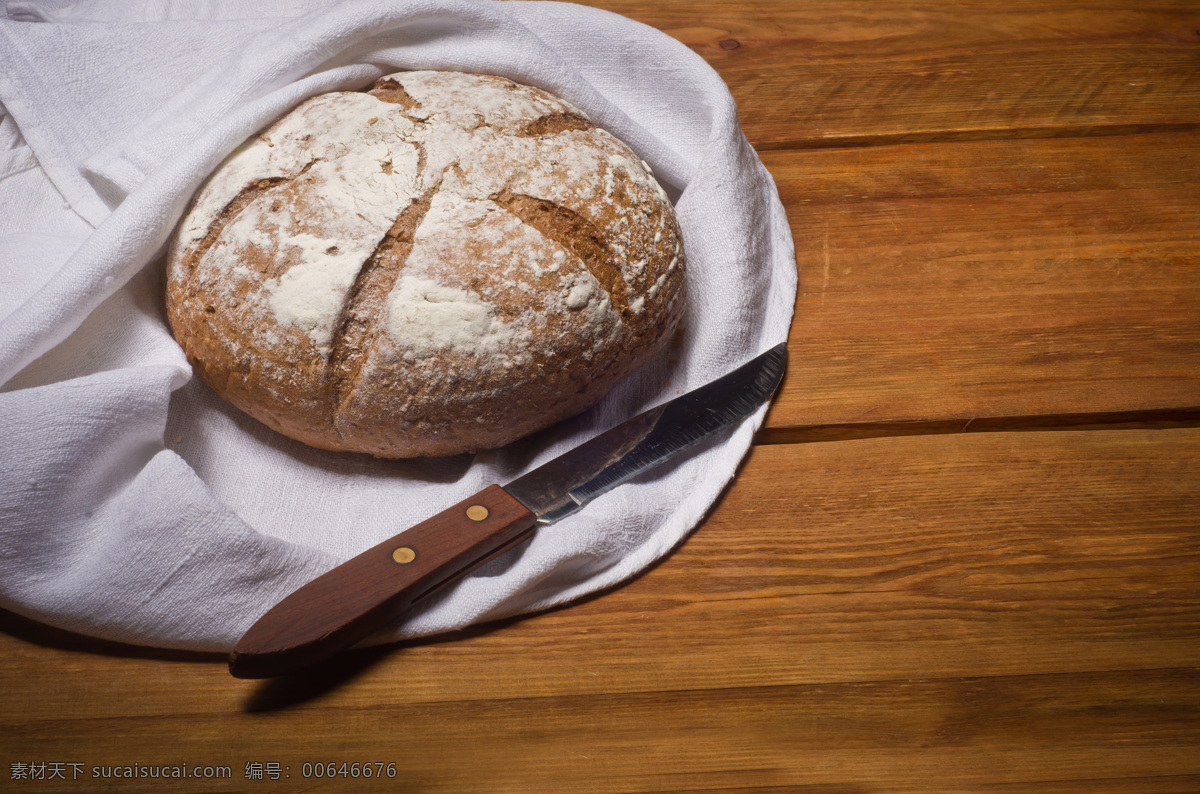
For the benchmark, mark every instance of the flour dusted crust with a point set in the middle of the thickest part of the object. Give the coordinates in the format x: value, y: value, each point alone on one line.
x: 442, y: 264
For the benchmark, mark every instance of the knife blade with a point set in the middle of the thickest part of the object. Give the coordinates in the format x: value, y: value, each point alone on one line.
x: 345, y: 604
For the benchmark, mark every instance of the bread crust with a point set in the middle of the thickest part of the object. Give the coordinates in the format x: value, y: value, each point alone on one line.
x: 442, y: 264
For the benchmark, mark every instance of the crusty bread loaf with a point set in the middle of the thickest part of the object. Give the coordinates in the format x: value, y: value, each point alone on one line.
x: 442, y: 264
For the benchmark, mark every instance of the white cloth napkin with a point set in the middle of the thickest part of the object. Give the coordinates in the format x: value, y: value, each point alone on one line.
x: 137, y: 506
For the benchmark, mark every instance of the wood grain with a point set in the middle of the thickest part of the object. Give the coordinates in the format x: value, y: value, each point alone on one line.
x: 945, y: 284
x: 872, y: 614
x: 848, y: 73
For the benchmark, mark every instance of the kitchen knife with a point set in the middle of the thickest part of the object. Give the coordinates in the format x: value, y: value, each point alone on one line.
x: 342, y: 606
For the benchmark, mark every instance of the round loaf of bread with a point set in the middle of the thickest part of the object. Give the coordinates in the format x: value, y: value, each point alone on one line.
x: 442, y: 264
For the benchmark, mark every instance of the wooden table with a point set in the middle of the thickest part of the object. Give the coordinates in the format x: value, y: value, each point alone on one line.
x: 965, y: 553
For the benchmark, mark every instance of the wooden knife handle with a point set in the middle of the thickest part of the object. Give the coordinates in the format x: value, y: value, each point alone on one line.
x: 342, y: 606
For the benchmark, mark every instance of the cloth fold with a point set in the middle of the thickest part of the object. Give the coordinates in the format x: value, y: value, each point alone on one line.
x: 137, y: 506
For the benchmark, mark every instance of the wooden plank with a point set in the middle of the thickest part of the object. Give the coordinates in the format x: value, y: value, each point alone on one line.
x: 942, y: 285
x: 994, y: 608
x: 846, y: 73
x: 886, y: 735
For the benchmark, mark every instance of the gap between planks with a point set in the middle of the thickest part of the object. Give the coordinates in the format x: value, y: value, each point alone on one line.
x: 1158, y: 419
x: 971, y: 135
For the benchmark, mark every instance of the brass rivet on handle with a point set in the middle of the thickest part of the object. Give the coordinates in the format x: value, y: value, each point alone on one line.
x: 477, y: 512
x: 404, y: 555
